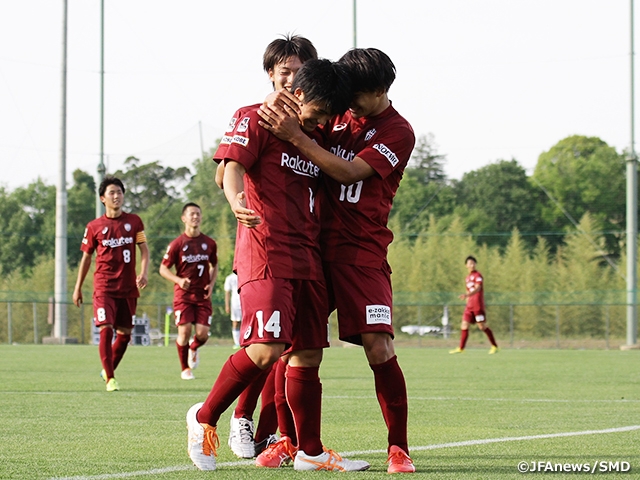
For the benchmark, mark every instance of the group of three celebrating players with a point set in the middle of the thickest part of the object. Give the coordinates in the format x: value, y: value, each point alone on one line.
x: 308, y: 243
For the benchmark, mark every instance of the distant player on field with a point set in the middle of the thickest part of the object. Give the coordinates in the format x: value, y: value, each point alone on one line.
x: 196, y: 260
x: 369, y: 147
x: 232, y: 306
x: 115, y: 284
x: 474, y: 312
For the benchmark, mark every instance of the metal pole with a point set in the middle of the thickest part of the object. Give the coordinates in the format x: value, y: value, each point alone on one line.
x: 201, y: 142
x: 606, y: 327
x: 9, y: 325
x: 632, y: 218
x: 557, y: 326
x: 60, y: 287
x: 35, y: 323
x: 511, y: 325
x: 355, y: 27
x: 101, y: 167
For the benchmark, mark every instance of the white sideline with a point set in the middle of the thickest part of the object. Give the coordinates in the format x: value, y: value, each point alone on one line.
x: 465, y: 443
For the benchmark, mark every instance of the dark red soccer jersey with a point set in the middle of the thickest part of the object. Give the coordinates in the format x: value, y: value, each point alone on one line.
x: 114, y: 240
x: 354, y: 217
x: 475, y: 302
x: 280, y: 186
x: 227, y: 138
x: 191, y: 256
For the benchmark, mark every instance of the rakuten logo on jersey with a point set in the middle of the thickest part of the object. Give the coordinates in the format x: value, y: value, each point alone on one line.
x: 117, y: 242
x: 299, y: 165
x: 195, y: 258
x: 342, y: 153
x: 384, y: 150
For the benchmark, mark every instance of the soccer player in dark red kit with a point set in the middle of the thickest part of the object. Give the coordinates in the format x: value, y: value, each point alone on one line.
x: 114, y: 237
x: 271, y: 189
x: 195, y: 256
x: 281, y: 61
x: 474, y: 312
x: 370, y: 146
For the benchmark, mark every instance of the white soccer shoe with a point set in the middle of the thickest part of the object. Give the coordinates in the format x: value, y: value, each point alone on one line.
x: 328, y: 460
x: 194, y: 359
x: 187, y: 374
x: 241, y: 437
x: 202, y: 442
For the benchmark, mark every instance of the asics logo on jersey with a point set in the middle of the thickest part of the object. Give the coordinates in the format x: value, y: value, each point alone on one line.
x: 195, y: 258
x: 384, y: 150
x: 342, y: 153
x: 299, y: 165
x: 117, y: 242
x: 340, y: 126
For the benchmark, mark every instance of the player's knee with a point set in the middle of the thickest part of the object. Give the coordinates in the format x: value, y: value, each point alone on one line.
x: 265, y: 354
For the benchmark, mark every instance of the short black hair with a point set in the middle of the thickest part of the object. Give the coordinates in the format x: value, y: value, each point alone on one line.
x: 371, y: 70
x: 190, y: 204
x: 109, y: 180
x: 326, y: 83
x: 470, y: 257
x: 288, y: 46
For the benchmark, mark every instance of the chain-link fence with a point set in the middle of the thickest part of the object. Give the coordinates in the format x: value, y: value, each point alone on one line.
x: 551, y: 320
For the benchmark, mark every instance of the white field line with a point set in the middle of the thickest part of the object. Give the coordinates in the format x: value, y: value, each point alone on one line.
x: 363, y: 397
x: 466, y: 443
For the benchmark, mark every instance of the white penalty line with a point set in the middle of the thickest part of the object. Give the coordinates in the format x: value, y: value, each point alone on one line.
x: 466, y: 443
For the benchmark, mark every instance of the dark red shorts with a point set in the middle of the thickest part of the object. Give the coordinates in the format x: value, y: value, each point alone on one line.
x: 117, y: 312
x: 474, y: 317
x: 363, y: 298
x: 192, y: 313
x: 280, y: 310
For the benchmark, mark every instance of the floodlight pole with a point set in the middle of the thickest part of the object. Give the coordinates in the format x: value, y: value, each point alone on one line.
x: 355, y: 26
x: 101, y: 168
x: 632, y: 218
x: 60, y: 281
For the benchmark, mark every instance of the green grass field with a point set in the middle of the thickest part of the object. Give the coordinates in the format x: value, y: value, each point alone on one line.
x: 471, y: 416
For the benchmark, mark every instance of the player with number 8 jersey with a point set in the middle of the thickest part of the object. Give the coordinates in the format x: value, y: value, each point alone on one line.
x: 114, y: 241
x: 114, y: 237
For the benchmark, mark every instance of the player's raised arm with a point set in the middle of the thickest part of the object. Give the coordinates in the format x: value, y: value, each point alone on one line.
x: 284, y: 124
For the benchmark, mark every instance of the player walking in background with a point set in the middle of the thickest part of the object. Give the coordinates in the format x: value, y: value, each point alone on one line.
x: 474, y: 312
x: 281, y: 61
x: 196, y: 259
x: 370, y: 146
x: 232, y: 306
x: 115, y: 284
x: 271, y: 189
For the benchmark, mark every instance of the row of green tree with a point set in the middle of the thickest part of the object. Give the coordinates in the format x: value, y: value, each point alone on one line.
x: 579, y: 178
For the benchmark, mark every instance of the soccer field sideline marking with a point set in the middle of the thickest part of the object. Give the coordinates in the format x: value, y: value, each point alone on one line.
x: 465, y: 443
x: 368, y: 397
